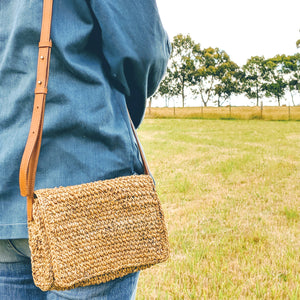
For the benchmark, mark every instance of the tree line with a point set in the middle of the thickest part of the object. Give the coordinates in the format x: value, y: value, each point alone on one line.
x: 213, y: 77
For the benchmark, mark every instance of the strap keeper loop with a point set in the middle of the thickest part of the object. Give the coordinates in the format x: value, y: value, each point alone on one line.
x: 40, y: 90
x: 45, y: 44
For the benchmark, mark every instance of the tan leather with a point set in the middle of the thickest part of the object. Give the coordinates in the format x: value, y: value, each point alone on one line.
x: 32, y: 149
x: 45, y: 44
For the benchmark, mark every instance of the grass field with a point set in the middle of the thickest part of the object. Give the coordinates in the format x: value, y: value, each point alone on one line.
x: 230, y: 192
x: 233, y: 112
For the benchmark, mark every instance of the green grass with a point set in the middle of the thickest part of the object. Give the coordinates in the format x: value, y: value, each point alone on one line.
x: 230, y: 192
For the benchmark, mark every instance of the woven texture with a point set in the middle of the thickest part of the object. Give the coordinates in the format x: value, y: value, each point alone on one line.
x: 92, y: 233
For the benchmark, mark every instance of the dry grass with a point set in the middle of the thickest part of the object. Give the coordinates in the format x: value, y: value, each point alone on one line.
x: 234, y: 112
x: 230, y: 191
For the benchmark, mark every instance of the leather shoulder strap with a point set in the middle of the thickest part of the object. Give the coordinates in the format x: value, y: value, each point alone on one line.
x: 145, y: 164
x: 32, y: 149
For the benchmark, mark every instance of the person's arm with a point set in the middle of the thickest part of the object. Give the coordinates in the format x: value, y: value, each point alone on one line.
x: 136, y: 48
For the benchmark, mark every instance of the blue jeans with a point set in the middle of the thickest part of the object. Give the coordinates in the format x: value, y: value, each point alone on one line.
x: 16, y: 281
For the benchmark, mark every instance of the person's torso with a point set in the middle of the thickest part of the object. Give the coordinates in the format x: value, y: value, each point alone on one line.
x: 86, y: 134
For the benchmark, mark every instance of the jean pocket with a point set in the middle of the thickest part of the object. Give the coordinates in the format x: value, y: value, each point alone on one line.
x: 20, y: 246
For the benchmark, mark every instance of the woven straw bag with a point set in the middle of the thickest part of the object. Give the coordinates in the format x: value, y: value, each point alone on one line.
x: 90, y: 233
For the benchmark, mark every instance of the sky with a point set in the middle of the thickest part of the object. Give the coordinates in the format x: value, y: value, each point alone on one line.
x: 242, y: 28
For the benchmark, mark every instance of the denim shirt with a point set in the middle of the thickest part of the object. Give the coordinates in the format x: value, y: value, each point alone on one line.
x: 106, y: 55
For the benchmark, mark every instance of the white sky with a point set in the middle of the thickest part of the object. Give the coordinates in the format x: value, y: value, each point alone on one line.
x: 242, y: 28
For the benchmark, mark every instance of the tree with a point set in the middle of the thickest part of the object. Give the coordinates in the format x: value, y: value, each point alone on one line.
x: 298, y: 43
x: 168, y: 87
x: 253, y: 80
x: 211, y: 66
x: 182, y: 63
x: 229, y: 83
x: 291, y: 69
x: 296, y: 61
x: 276, y: 84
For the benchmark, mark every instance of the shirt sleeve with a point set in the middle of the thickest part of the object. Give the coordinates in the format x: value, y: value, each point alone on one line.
x: 136, y: 48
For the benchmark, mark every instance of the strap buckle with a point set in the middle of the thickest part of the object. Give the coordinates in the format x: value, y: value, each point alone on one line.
x: 45, y: 44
